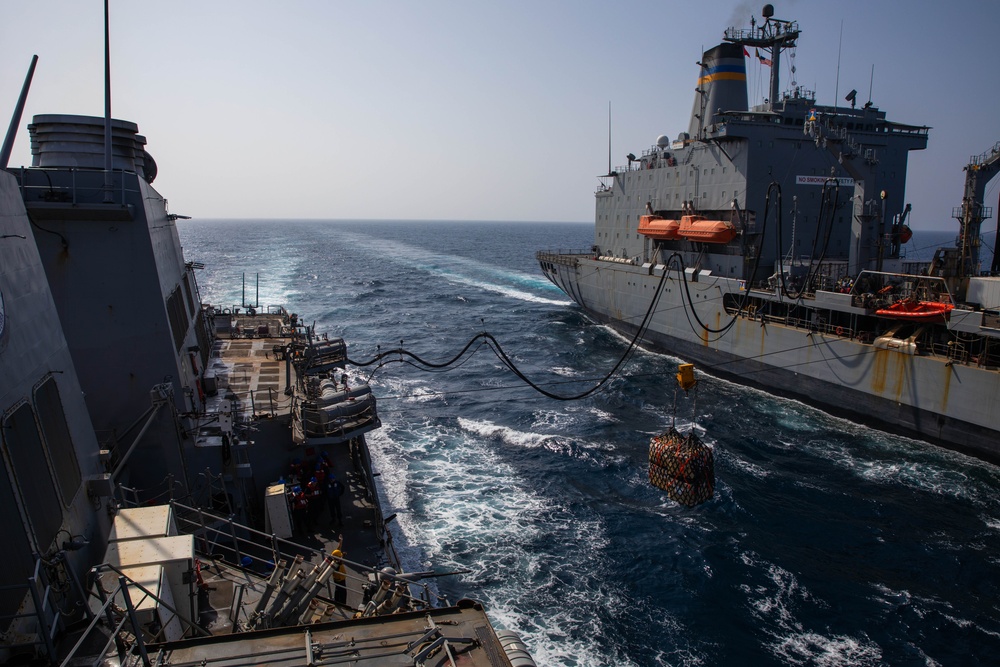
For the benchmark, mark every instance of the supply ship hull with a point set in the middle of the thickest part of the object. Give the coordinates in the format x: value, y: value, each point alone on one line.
x: 931, y: 395
x: 696, y: 255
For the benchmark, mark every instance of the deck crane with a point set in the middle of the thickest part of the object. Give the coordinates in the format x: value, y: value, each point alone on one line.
x: 971, y: 214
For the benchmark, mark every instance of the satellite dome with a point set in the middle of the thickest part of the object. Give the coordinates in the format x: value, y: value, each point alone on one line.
x: 662, y: 141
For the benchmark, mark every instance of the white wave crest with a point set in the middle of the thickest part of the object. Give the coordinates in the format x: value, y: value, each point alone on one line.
x: 505, y: 433
x: 776, y: 603
x: 469, y: 510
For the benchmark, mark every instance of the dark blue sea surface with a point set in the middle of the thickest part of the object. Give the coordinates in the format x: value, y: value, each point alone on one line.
x: 827, y: 543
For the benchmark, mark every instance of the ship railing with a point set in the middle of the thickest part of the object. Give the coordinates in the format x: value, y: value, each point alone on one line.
x: 790, y: 29
x: 817, y: 326
x: 820, y: 325
x: 564, y: 257
x: 273, y: 401
x: 985, y: 156
x: 86, y: 186
x: 888, y: 286
x: 954, y: 351
x: 47, y: 617
x: 257, y: 552
x: 119, y: 625
x: 982, y: 212
x: 256, y: 325
x: 840, y: 122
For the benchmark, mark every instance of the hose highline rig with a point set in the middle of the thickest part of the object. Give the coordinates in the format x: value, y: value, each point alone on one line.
x: 402, y: 355
x: 486, y: 339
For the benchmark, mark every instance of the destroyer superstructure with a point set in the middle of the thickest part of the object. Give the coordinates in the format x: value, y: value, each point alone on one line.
x: 769, y: 239
x: 157, y: 450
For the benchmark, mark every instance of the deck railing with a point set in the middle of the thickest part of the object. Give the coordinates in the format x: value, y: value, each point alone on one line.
x: 564, y: 257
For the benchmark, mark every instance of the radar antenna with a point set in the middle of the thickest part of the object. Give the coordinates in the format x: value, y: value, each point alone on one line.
x: 773, y: 34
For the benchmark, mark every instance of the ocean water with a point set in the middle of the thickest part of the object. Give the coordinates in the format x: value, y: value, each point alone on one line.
x: 827, y: 543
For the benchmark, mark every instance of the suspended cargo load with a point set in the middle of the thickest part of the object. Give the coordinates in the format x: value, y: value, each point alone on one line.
x: 683, y: 466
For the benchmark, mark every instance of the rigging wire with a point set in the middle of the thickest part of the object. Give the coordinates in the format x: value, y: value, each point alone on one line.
x: 402, y: 355
x: 486, y: 339
x: 717, y: 367
x: 689, y: 309
x: 505, y: 359
x: 812, y: 272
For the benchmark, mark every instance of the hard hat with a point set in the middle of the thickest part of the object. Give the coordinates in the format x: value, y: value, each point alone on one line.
x: 337, y: 554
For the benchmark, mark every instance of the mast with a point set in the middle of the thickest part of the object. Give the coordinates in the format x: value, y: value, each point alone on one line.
x: 108, y: 182
x: 971, y: 214
x: 8, y: 143
x: 774, y: 35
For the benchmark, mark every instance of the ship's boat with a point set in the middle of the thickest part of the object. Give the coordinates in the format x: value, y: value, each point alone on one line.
x: 323, y: 356
x: 658, y: 227
x: 917, y: 311
x: 698, y: 228
x: 339, y: 411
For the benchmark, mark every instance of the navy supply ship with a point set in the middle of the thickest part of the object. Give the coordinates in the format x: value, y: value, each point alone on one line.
x: 763, y: 244
x: 182, y: 482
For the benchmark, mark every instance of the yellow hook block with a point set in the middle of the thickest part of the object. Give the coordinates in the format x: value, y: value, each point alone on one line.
x: 685, y: 376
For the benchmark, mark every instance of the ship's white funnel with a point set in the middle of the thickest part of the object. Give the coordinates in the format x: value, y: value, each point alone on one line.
x: 722, y: 86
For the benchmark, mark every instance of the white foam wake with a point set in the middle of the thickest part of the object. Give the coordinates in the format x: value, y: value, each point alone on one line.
x: 456, y: 496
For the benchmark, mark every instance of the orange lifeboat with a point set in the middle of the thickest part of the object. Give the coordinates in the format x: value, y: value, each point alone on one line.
x: 917, y: 311
x: 658, y: 227
x: 697, y: 228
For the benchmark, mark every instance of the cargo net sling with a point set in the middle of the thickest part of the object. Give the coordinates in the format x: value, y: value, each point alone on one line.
x: 683, y: 466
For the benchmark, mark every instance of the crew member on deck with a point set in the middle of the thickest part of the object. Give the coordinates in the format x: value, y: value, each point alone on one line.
x: 340, y: 575
x: 334, y: 490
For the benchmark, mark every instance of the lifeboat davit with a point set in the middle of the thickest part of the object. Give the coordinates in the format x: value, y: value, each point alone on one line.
x: 697, y: 228
x: 658, y: 227
x: 917, y: 311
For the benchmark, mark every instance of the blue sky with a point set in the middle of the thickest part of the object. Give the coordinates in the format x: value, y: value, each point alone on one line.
x: 471, y: 110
